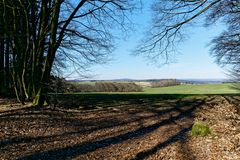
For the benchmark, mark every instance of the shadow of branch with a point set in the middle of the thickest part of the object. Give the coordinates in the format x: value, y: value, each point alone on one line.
x: 179, y: 136
x: 79, y: 149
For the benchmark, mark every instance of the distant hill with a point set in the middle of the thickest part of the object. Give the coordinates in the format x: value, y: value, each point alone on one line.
x: 202, y: 81
x: 186, y: 81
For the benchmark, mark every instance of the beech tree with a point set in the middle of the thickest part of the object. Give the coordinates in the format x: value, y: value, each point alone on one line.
x: 36, y: 35
x: 172, y: 18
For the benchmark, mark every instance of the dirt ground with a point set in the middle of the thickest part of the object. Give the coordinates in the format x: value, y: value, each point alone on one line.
x: 133, y: 131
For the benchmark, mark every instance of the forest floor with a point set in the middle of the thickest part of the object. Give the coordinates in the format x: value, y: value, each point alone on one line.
x: 142, y: 129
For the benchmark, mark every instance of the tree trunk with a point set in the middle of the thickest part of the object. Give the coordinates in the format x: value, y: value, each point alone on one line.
x: 7, y: 71
x: 42, y: 91
x: 2, y: 77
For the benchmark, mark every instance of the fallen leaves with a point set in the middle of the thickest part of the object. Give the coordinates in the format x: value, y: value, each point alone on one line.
x: 127, y: 132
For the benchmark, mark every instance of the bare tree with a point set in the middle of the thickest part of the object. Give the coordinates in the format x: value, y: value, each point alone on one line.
x: 226, y: 46
x: 172, y: 18
x: 80, y: 32
x: 58, y: 33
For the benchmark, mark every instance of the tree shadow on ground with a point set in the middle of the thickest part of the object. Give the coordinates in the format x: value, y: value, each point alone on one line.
x: 103, y: 100
x: 177, y: 137
x: 169, y: 111
x: 234, y: 100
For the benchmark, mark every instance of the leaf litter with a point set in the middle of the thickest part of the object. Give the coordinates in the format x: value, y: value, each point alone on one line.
x: 138, y: 131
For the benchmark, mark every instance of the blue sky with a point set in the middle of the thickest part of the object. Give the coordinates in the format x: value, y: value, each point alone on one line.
x: 194, y: 61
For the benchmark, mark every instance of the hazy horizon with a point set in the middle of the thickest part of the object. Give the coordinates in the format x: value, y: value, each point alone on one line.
x: 119, y: 79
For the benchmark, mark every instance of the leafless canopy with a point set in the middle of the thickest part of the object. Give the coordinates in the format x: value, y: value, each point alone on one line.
x: 171, y: 18
x: 226, y: 46
x: 38, y: 36
x: 88, y: 38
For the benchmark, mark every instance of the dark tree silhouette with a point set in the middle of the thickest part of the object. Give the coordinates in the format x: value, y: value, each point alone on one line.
x: 172, y: 18
x: 39, y: 36
x: 226, y: 46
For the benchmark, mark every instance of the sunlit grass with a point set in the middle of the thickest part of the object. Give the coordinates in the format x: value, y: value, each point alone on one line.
x: 225, y: 88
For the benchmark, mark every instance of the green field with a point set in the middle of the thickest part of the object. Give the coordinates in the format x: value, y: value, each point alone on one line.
x: 225, y: 88
x: 90, y: 100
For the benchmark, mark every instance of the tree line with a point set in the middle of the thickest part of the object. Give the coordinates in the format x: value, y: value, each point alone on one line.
x: 37, y: 37
x: 60, y: 85
x: 165, y: 83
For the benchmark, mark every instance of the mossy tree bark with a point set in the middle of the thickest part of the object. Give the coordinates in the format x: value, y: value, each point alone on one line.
x: 40, y: 97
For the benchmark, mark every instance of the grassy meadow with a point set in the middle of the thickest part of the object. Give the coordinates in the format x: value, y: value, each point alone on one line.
x: 109, y: 99
x: 224, y: 88
x: 221, y: 88
x: 149, y: 96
